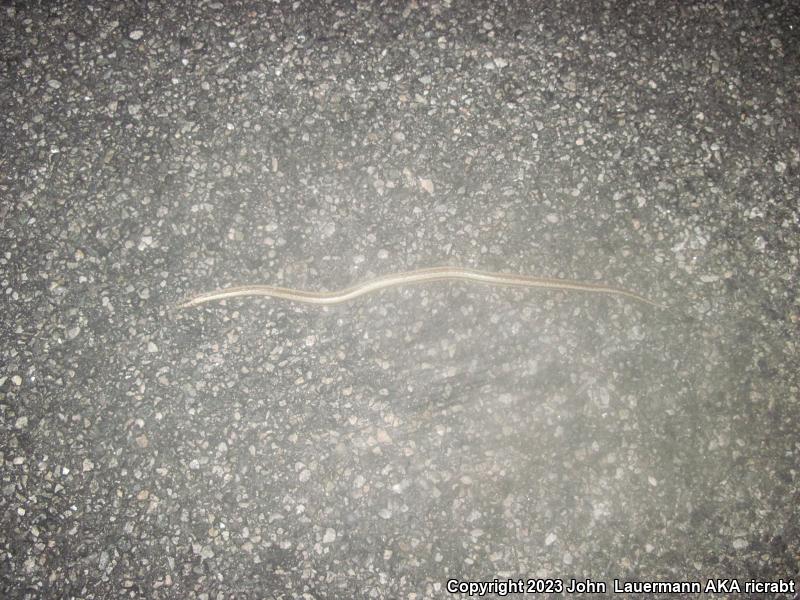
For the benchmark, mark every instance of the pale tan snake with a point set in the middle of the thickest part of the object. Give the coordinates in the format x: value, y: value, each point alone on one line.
x: 411, y: 277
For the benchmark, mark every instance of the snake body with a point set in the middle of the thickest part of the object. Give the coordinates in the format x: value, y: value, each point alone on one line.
x: 412, y: 277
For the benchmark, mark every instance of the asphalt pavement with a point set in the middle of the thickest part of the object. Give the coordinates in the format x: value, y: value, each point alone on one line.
x: 418, y: 440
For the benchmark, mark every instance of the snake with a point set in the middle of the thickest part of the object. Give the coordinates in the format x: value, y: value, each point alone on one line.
x: 327, y: 298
